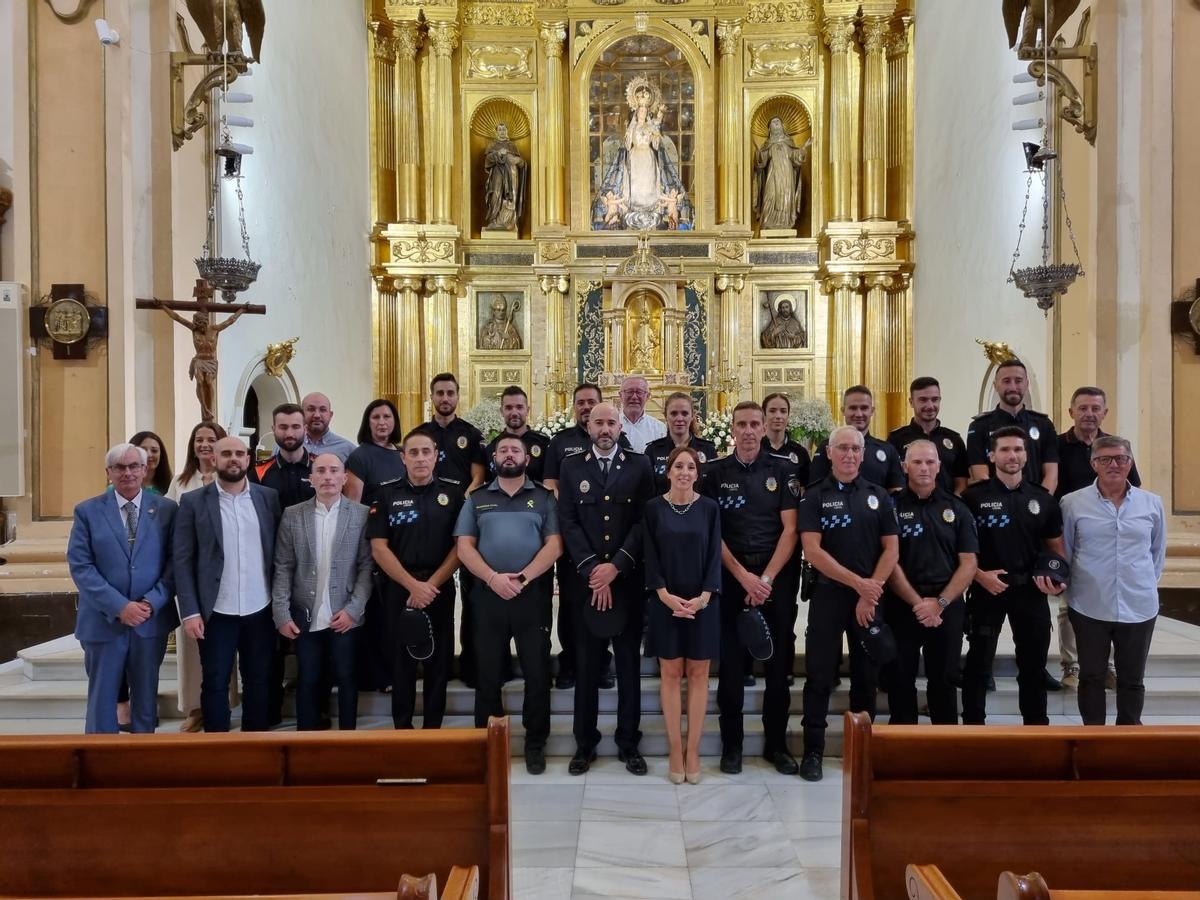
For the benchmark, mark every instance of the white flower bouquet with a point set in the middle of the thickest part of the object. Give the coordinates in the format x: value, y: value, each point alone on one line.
x: 555, y: 422
x: 810, y: 422
x: 718, y: 428
x: 485, y: 415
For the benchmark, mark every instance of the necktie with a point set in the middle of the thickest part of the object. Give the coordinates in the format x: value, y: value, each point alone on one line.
x: 604, y: 461
x: 131, y: 518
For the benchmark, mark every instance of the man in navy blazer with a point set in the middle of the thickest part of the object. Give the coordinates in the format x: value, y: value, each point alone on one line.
x: 224, y: 551
x: 120, y: 559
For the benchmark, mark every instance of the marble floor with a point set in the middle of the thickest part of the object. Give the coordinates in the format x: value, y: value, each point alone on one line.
x: 608, y: 834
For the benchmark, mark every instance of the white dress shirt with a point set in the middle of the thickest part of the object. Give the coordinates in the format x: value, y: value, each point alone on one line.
x: 244, y: 590
x: 137, y: 504
x: 324, y: 527
x: 643, y: 431
x: 1116, y: 553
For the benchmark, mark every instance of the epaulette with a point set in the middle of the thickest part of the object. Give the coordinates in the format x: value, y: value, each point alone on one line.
x: 575, y: 453
x: 391, y: 481
x: 457, y: 482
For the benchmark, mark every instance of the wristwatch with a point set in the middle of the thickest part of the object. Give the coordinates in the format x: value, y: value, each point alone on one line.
x: 943, y: 602
x: 765, y: 579
x: 521, y: 578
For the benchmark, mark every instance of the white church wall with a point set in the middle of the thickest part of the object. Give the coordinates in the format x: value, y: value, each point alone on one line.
x: 307, y: 206
x: 9, y: 60
x: 969, y: 189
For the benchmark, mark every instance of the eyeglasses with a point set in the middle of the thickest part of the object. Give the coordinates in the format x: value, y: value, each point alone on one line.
x: 122, y: 467
x: 1106, y: 461
x: 848, y: 448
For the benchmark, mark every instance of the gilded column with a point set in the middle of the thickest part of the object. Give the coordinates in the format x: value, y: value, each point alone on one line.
x: 382, y: 99
x: 387, y: 340
x: 443, y: 39
x: 898, y: 195
x: 839, y: 36
x: 729, y: 147
x: 408, y: 136
x: 555, y: 293
x: 410, y: 378
x: 729, y: 291
x: 845, y: 335
x: 879, y: 346
x: 553, y: 38
x: 441, y: 346
x: 874, y: 140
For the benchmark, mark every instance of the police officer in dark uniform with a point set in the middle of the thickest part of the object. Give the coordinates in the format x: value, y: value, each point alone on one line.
x: 925, y: 398
x: 514, y: 408
x: 848, y: 532
x: 880, y: 461
x: 411, y: 529
x: 680, y: 413
x: 923, y: 603
x: 1041, y: 466
x: 1017, y: 520
x: 758, y: 536
x: 601, y: 493
x: 571, y: 589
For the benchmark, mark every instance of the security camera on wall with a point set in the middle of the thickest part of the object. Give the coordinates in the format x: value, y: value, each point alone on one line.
x: 108, y: 36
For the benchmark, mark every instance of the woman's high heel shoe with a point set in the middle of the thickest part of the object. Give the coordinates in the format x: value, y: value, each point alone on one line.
x: 676, y: 777
x: 693, y: 777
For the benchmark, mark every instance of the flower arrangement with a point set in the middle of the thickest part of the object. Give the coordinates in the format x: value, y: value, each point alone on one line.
x: 810, y: 422
x: 556, y: 422
x: 718, y: 428
x: 485, y: 415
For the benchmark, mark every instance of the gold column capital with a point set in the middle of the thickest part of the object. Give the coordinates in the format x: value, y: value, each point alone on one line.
x: 407, y: 38
x: 897, y: 41
x: 729, y: 33
x: 843, y: 281
x: 447, y: 284
x: 443, y: 38
x: 411, y: 283
x: 876, y: 31
x: 879, y: 281
x: 550, y: 283
x: 384, y: 41
x: 385, y: 283
x: 554, y: 37
x: 729, y: 281
x: 838, y: 33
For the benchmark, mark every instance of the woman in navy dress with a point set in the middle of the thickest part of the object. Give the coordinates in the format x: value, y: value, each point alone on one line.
x: 682, y: 544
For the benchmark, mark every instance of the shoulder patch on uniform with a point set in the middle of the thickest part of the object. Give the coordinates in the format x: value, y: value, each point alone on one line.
x: 454, y: 481
x: 395, y: 480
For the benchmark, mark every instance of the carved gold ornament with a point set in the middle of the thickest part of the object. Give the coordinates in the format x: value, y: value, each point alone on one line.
x: 586, y: 33
x: 500, y: 111
x: 422, y: 250
x: 277, y: 357
x: 997, y: 352
x: 782, y: 11
x: 783, y: 58
x: 695, y: 30
x: 864, y: 248
x: 788, y: 110
x: 504, y: 15
x: 491, y: 61
x: 68, y: 321
x: 554, y: 251
x: 731, y: 251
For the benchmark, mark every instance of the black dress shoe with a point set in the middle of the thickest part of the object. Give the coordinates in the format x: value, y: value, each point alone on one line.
x: 635, y: 763
x: 731, y: 761
x: 1052, y: 683
x: 810, y: 766
x: 324, y: 723
x: 564, y: 682
x: 791, y: 679
x: 991, y: 684
x: 784, y: 762
x: 535, y: 760
x: 749, y: 681
x: 608, y: 681
x: 581, y: 762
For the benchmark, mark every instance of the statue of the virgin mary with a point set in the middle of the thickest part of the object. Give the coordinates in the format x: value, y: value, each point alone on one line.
x: 641, y: 188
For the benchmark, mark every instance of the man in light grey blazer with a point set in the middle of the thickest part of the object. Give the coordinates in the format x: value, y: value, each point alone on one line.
x: 322, y: 581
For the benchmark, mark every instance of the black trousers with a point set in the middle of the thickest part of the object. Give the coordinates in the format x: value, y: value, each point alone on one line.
x: 322, y: 657
x: 252, y: 639
x: 435, y: 670
x: 731, y: 688
x: 940, y: 646
x: 572, y: 592
x: 591, y: 662
x: 1028, y: 615
x: 527, y: 618
x: 373, y: 661
x: 1130, y: 643
x: 830, y: 615
x: 468, y: 662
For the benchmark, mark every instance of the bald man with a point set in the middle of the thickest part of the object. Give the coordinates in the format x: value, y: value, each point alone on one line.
x: 318, y: 413
x: 224, y: 549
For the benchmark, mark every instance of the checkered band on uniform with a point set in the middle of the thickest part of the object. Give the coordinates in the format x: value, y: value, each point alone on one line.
x: 992, y: 521
x: 836, y: 521
x: 404, y: 517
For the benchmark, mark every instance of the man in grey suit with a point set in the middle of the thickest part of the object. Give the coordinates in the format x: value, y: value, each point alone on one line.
x: 322, y: 581
x: 120, y: 559
x: 224, y: 548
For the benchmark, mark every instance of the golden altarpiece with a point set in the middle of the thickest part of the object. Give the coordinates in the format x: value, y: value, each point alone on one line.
x: 715, y: 196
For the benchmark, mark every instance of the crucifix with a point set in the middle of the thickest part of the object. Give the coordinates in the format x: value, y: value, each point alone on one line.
x: 205, y: 331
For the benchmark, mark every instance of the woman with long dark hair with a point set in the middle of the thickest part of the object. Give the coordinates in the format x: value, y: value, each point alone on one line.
x: 158, y: 464
x: 377, y: 458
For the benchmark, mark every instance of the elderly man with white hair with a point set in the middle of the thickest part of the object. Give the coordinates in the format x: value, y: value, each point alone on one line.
x: 638, y: 425
x: 120, y: 558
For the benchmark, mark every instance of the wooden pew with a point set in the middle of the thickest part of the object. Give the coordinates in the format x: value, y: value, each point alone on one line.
x: 928, y: 883
x: 1091, y: 808
x: 279, y: 813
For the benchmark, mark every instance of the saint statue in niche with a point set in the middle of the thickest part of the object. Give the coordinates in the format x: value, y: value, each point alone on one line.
x: 642, y: 188
x: 784, y: 331
x: 499, y: 333
x: 646, y: 340
x: 504, y: 174
x: 778, y: 183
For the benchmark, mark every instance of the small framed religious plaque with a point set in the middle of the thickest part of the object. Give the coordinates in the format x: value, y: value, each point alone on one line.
x: 501, y: 320
x: 782, y: 316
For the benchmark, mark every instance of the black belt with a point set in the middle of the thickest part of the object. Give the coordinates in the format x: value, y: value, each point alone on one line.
x: 752, y: 559
x: 1014, y: 580
x: 928, y: 590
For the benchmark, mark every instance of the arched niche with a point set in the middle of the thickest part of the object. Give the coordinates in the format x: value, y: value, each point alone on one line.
x: 797, y: 123
x: 262, y: 389
x: 599, y: 80
x: 487, y: 115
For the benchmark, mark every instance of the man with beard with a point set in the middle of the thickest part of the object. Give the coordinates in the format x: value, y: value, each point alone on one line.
x: 507, y: 536
x: 224, y: 551
x: 880, y: 461
x: 318, y: 413
x: 1041, y: 464
x: 638, y: 425
x: 572, y: 589
x: 460, y: 445
x: 925, y: 398
x: 601, y: 494
x: 514, y: 407
x: 1018, y: 520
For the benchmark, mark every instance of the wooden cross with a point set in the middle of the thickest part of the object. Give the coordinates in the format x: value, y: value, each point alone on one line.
x: 205, y: 333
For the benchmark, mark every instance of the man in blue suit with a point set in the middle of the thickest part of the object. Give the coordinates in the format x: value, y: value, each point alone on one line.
x: 120, y: 558
x: 224, y: 551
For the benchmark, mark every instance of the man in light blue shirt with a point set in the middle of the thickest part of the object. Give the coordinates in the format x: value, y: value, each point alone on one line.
x: 1116, y: 542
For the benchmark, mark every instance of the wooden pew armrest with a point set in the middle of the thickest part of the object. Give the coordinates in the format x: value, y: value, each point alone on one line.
x: 928, y: 883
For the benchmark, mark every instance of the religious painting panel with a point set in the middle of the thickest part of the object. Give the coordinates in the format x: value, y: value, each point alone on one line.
x: 781, y: 170
x: 501, y: 319
x: 783, y: 319
x: 500, y: 159
x: 641, y: 136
